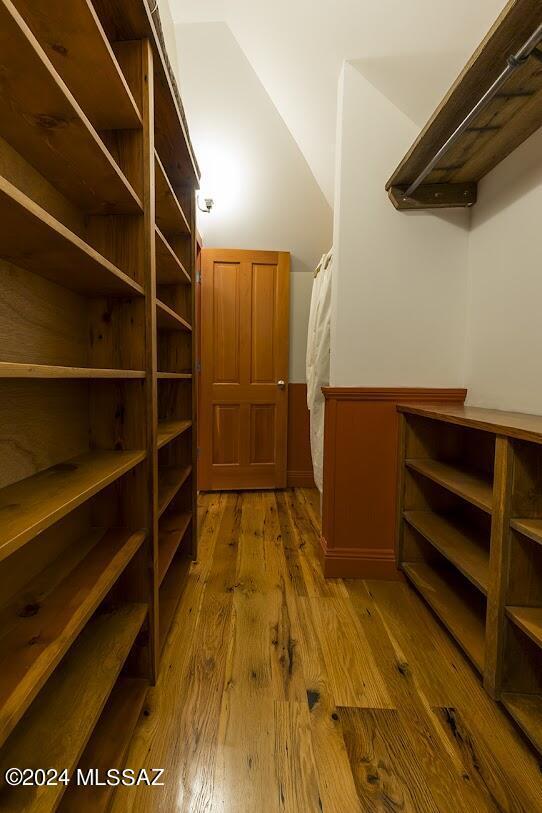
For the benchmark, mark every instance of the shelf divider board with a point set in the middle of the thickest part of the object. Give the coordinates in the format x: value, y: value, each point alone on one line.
x: 529, y: 621
x: 168, y: 319
x: 526, y: 709
x: 43, y: 121
x: 195, y: 361
x: 18, y: 370
x: 169, y: 268
x: 532, y: 528
x: 64, y: 714
x: 35, y: 643
x: 31, y: 238
x: 172, y: 530
x: 471, y: 486
x: 34, y: 504
x: 75, y: 42
x: 169, y: 213
x: 452, y: 609
x: 499, y: 565
x: 146, y: 81
x: 169, y: 430
x: 170, y: 482
x: 108, y: 746
x: 456, y: 543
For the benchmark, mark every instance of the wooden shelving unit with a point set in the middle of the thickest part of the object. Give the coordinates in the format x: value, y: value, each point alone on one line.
x: 67, y: 709
x: 470, y: 541
x: 97, y: 403
x: 510, y: 118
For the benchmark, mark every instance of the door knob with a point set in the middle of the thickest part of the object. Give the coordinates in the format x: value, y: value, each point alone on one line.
x: 281, y: 384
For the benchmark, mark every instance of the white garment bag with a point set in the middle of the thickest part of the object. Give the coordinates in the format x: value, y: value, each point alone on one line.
x: 318, y: 350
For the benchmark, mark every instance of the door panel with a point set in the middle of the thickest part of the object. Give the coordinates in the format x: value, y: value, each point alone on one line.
x: 244, y: 369
x: 262, y: 433
x: 226, y: 299
x: 264, y: 288
x: 226, y: 434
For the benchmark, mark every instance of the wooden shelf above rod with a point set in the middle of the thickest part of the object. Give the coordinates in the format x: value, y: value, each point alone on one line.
x: 512, y: 115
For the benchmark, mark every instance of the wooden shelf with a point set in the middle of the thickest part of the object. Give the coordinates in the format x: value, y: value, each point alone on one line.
x: 108, y: 746
x: 510, y: 118
x: 452, y: 607
x: 34, y: 504
x: 169, y: 430
x: 170, y: 593
x: 43, y: 121
x: 167, y: 319
x: 32, y: 239
x: 494, y: 421
x: 170, y: 481
x: 36, y: 641
x: 526, y: 709
x: 531, y: 528
x: 169, y: 268
x: 457, y: 543
x: 529, y: 620
x: 172, y: 530
x: 10, y: 369
x: 471, y: 486
x: 63, y: 715
x: 169, y: 214
x: 75, y: 42
x: 174, y: 376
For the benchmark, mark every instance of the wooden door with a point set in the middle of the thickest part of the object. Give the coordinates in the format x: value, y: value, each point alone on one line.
x: 244, y: 369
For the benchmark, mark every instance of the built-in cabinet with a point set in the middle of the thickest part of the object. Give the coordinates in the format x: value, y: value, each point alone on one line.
x: 469, y: 538
x: 97, y: 395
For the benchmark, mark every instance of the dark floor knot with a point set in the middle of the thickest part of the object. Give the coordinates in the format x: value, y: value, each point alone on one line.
x: 312, y: 698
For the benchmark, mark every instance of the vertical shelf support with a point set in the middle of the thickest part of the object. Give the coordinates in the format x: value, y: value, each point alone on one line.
x: 149, y: 255
x: 499, y: 563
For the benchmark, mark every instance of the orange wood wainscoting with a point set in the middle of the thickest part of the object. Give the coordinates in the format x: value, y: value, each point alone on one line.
x: 360, y: 477
x: 300, y: 473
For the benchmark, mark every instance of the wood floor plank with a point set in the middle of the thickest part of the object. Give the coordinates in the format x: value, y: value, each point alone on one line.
x: 336, y: 782
x: 355, y: 679
x: 494, y: 788
x: 387, y: 778
x: 450, y: 788
x: 308, y: 543
x: 295, y: 766
x: 290, y: 547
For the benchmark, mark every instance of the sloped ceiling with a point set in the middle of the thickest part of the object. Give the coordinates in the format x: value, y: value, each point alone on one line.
x: 411, y: 50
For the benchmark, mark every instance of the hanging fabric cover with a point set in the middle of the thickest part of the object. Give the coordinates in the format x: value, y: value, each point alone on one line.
x: 318, y: 350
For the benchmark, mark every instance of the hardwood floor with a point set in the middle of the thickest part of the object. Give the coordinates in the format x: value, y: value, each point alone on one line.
x: 281, y: 691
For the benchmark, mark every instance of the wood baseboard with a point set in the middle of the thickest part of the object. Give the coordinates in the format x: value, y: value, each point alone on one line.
x: 359, y: 563
x: 360, y: 476
x: 300, y: 479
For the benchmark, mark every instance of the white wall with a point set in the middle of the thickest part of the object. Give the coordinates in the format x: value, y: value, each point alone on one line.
x: 504, y: 344
x: 297, y: 48
x: 400, y: 284
x: 265, y: 194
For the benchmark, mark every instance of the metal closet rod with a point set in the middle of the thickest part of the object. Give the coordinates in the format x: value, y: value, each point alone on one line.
x: 513, y: 63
